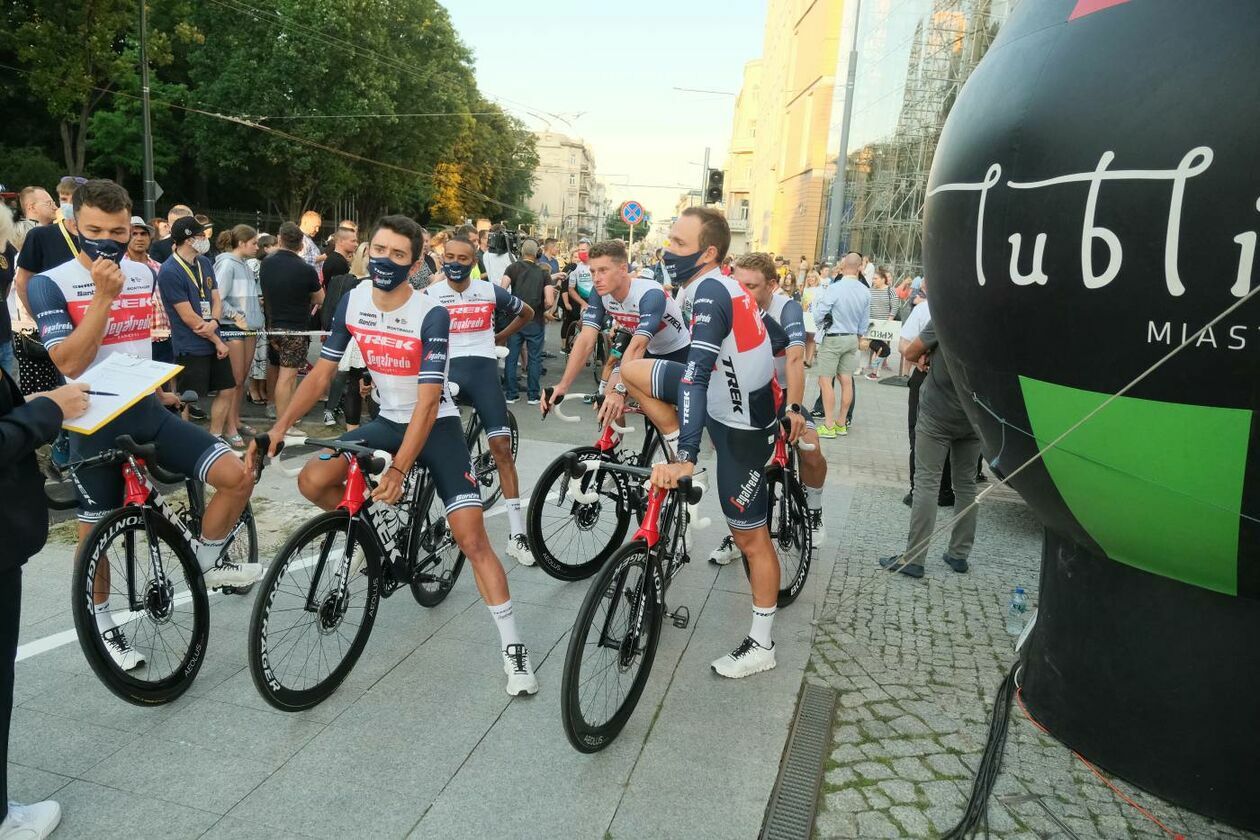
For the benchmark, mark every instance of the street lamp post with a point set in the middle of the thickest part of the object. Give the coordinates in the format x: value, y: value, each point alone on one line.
x: 150, y: 186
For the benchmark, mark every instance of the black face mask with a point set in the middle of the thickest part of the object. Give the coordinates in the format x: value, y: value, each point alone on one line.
x: 681, y: 267
x: 110, y: 249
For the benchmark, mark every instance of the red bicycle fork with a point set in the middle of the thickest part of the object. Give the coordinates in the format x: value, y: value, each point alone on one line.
x: 650, y: 531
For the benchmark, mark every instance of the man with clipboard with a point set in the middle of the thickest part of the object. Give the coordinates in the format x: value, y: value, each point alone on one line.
x: 94, y: 306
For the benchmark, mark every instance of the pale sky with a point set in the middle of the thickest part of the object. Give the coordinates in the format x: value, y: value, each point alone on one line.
x: 609, y: 69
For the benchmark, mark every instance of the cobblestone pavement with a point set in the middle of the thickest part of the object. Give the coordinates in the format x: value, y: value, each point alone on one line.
x: 917, y: 664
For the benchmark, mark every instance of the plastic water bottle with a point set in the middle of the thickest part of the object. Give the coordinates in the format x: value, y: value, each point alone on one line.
x: 1015, y: 611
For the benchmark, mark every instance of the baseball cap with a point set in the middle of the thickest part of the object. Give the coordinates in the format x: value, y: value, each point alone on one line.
x: 136, y: 221
x: 185, y: 228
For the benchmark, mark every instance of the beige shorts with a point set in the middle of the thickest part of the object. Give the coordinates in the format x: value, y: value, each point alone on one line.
x: 838, y: 355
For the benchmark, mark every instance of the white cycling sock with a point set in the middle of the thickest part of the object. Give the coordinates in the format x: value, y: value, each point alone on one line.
x: 208, y: 552
x: 516, y: 525
x: 506, y: 622
x: 813, y: 497
x: 671, y: 442
x: 104, y: 619
x: 763, y: 620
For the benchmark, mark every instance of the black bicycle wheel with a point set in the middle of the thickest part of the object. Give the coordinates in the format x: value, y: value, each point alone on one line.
x: 611, y: 649
x: 790, y: 533
x: 572, y: 539
x: 243, y: 548
x: 436, y: 558
x: 156, y: 599
x: 307, y: 630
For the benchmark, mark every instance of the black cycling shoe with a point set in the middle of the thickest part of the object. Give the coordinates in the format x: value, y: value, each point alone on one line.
x: 914, y: 570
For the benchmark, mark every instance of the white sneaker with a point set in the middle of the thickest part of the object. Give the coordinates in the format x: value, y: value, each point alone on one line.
x: 747, y: 659
x: 30, y: 822
x: 518, y: 550
x: 329, y: 418
x: 521, y: 679
x: 816, y: 525
x: 227, y: 573
x: 120, y: 650
x: 725, y: 552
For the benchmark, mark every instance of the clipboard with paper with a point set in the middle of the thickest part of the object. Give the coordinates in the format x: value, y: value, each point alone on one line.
x: 120, y: 381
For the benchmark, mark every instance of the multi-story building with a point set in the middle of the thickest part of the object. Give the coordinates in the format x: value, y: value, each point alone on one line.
x: 781, y: 127
x: 909, y: 60
x: 567, y: 197
x: 739, y: 160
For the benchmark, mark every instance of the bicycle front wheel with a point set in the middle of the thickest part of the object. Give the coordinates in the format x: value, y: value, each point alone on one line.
x: 611, y: 649
x: 314, y: 614
x: 572, y: 539
x: 157, y: 604
x: 243, y: 549
x: 437, y: 559
x: 790, y: 533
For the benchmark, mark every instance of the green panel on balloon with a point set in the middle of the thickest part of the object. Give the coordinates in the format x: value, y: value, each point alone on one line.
x: 1158, y: 485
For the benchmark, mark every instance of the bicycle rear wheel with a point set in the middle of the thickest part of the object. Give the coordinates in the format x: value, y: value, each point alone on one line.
x: 484, y: 465
x: 572, y: 539
x: 243, y: 549
x: 790, y: 533
x: 307, y: 630
x: 157, y: 602
x: 611, y: 649
x: 437, y: 559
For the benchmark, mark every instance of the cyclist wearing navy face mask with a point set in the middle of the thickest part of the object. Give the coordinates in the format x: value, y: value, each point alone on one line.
x: 403, y: 336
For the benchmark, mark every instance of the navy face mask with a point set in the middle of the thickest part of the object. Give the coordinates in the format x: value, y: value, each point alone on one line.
x: 681, y: 268
x: 386, y: 274
x: 110, y: 249
x: 456, y: 272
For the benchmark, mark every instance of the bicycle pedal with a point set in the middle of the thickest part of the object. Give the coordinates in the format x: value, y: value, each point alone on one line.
x: 681, y: 617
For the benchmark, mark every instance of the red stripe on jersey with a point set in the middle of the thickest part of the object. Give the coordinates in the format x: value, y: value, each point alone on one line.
x: 746, y: 323
x: 626, y: 319
x: 388, y: 353
x: 471, y: 317
x: 130, y: 317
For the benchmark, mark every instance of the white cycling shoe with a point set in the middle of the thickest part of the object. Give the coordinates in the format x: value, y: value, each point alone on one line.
x: 521, y: 680
x: 227, y: 573
x: 120, y: 650
x: 816, y: 525
x: 747, y: 659
x: 725, y: 552
x: 518, y: 550
x: 30, y: 822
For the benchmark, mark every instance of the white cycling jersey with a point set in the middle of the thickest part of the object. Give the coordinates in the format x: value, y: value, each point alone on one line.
x: 646, y: 311
x: 472, y: 314
x: 401, y: 348
x: 787, y: 313
x: 60, y: 298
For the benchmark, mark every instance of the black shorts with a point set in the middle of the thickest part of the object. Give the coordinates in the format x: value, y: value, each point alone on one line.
x: 204, y: 374
x: 880, y: 348
x: 182, y: 447
x: 478, y: 381
x: 445, y: 456
x: 741, y: 456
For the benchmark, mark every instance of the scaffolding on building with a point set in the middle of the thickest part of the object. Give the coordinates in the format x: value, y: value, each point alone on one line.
x: 887, y: 179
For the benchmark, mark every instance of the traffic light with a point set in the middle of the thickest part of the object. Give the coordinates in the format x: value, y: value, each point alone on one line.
x: 713, y: 190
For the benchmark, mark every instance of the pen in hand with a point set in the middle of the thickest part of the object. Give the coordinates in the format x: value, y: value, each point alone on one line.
x: 102, y: 393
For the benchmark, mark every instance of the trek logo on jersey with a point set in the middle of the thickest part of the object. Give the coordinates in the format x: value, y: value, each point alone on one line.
x: 388, y: 353
x: 130, y: 317
x: 629, y: 320
x: 471, y: 317
x: 732, y: 385
x: 746, y: 491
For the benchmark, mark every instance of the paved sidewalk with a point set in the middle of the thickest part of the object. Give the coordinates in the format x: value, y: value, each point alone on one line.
x: 421, y: 740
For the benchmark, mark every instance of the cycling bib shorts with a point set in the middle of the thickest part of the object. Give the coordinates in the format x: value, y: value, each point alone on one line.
x: 478, y: 381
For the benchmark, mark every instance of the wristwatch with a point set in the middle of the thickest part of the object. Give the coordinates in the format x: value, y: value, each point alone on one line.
x: 796, y: 408
x: 620, y: 388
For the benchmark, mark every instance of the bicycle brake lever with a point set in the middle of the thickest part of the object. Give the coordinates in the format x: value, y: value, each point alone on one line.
x: 695, y: 521
x: 583, y: 496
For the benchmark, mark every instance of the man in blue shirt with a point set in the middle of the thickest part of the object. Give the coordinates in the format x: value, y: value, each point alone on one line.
x: 191, y: 299
x: 842, y: 312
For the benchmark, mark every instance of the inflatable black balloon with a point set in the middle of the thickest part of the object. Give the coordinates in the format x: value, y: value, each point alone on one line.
x: 1094, y: 202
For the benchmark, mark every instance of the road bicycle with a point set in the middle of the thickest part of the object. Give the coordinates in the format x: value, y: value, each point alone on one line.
x: 484, y: 466
x: 575, y: 523
x: 789, y: 518
x: 142, y: 558
x: 614, y: 639
x: 318, y: 601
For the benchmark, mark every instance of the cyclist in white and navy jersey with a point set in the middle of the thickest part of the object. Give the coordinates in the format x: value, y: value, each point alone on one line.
x: 473, y: 305
x: 95, y: 305
x: 637, y: 305
x: 403, y: 337
x: 756, y: 273
x: 728, y: 387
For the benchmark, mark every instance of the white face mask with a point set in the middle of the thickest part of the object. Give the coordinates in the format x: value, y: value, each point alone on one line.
x: 201, y: 246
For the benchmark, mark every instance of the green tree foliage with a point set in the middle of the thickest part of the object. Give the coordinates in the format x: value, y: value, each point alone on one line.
x: 274, y: 74
x: 27, y: 166
x: 617, y: 229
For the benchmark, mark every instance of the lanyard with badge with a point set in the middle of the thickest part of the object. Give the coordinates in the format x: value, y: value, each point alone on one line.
x: 74, y: 249
x: 200, y: 282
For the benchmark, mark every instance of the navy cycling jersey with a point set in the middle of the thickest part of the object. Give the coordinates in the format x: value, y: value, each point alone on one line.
x: 401, y: 348
x: 645, y: 311
x: 729, y: 376
x: 787, y: 314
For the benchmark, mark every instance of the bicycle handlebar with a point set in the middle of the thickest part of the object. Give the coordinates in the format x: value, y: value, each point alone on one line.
x: 569, y: 418
x: 374, y: 461
x: 691, y: 491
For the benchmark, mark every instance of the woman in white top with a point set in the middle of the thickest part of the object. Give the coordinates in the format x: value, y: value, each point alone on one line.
x: 812, y: 281
x: 242, y: 313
